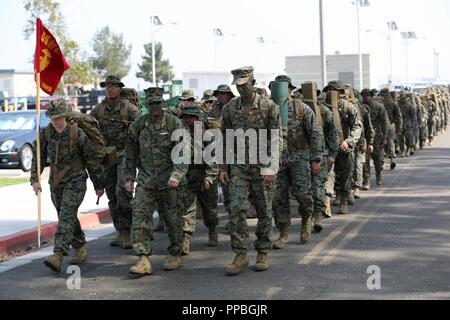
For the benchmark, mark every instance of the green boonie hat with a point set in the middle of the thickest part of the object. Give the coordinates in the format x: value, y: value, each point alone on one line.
x: 58, y: 109
x: 373, y: 92
x: 209, y: 96
x: 365, y: 92
x: 187, y: 95
x: 223, y: 88
x: 384, y: 92
x: 283, y: 78
x: 242, y: 75
x: 112, y: 80
x: 337, y: 85
x: 153, y: 91
x: 192, y: 110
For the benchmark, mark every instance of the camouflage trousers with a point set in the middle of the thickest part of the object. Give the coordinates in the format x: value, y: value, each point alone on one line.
x: 319, y: 191
x: 431, y: 130
x: 416, y: 141
x: 358, y: 173
x: 344, y: 173
x: 207, y: 201
x: 377, y: 157
x: 119, y: 198
x: 243, y: 182
x: 406, y: 139
x: 389, y: 149
x: 171, y: 204
x: 423, y: 134
x: 67, y: 200
x: 293, y: 179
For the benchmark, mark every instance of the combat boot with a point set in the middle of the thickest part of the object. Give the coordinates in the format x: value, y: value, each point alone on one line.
x: 186, y: 244
x: 402, y: 154
x: 55, y: 262
x: 356, y: 193
x: 118, y: 240
x: 240, y: 261
x: 261, y: 262
x: 282, y: 240
x: 306, y: 229
x: 351, y: 199
x: 328, y: 213
x: 173, y: 263
x: 142, y: 267
x: 408, y: 152
x: 343, y: 208
x: 379, y: 179
x: 393, y: 164
x: 80, y: 256
x: 366, y: 184
x: 213, y: 238
x: 127, y: 244
x: 318, y: 226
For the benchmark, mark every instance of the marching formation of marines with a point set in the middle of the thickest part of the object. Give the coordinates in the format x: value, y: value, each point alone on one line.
x: 320, y: 145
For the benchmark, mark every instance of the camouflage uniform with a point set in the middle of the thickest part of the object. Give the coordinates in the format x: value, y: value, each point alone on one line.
x: 432, y: 110
x: 423, y: 124
x: 418, y: 126
x: 68, y: 194
x: 409, y: 115
x: 262, y: 114
x: 115, y: 130
x: 396, y: 125
x: 149, y: 144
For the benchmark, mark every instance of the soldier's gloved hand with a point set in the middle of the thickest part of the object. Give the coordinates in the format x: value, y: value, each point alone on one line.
x: 206, y: 186
x: 173, y: 183
x: 129, y: 186
x: 370, y: 148
x: 37, y: 188
x: 100, y: 192
x: 224, y: 178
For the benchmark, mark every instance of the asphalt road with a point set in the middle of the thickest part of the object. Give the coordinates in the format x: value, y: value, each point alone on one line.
x: 402, y: 228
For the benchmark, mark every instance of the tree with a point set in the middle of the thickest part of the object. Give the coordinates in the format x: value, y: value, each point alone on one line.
x: 50, y: 13
x: 163, y: 68
x: 111, y: 54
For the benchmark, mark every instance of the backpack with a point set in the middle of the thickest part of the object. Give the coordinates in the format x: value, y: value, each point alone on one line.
x: 263, y: 103
x: 170, y: 122
x: 123, y: 112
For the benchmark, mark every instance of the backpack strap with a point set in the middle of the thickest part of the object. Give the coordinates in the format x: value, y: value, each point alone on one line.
x: 47, y: 134
x: 124, y: 112
x: 171, y: 123
x: 101, y: 112
x: 73, y: 127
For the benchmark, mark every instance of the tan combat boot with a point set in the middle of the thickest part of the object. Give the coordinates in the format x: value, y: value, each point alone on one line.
x: 186, y: 244
x: 282, y: 240
x: 379, y: 179
x: 80, y: 256
x: 318, y: 226
x: 127, y: 244
x: 240, y: 261
x: 408, y: 152
x: 142, y: 267
x: 328, y: 213
x: 343, y: 208
x: 55, y: 262
x: 356, y: 193
x: 173, y: 263
x: 213, y: 238
x: 306, y: 229
x: 118, y: 240
x: 261, y: 262
x: 366, y: 184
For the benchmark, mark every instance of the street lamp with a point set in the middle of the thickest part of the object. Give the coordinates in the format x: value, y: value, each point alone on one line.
x: 360, y: 3
x: 436, y: 64
x: 322, y: 46
x: 155, y: 21
x: 392, y: 27
x: 260, y: 42
x: 408, y: 36
x: 218, y: 36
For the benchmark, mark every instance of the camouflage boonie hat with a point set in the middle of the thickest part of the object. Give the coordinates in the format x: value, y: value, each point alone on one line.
x: 374, y: 92
x: 192, y: 110
x: 403, y: 95
x: 58, y: 109
x: 112, y: 80
x: 187, y: 95
x: 384, y: 92
x: 242, y: 75
x: 224, y: 89
x: 336, y: 85
x: 208, y: 95
x: 153, y: 91
x: 283, y: 78
x: 366, y: 92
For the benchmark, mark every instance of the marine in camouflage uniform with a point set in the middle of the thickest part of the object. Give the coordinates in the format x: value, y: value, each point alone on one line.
x: 302, y: 147
x: 200, y: 179
x: 351, y: 124
x: 396, y: 125
x: 380, y: 124
x: 161, y: 184
x: 409, y: 115
x: 432, y: 111
x: 419, y: 117
x: 423, y: 123
x: 70, y: 153
x: 115, y: 115
x: 250, y: 111
x: 331, y: 138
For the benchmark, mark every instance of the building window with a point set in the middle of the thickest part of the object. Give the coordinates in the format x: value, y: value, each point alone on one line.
x: 193, y: 83
x: 7, y: 84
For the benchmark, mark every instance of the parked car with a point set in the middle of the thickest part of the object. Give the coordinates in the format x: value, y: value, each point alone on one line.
x: 88, y: 102
x: 17, y: 137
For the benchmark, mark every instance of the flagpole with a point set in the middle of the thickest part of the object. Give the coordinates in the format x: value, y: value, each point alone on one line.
x: 38, y: 151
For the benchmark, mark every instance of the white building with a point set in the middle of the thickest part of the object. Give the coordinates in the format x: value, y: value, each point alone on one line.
x: 200, y: 81
x: 17, y: 83
x: 344, y: 67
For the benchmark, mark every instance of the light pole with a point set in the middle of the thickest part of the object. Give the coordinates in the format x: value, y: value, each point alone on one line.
x: 408, y: 36
x: 436, y: 64
x: 360, y: 3
x: 322, y: 46
x: 260, y: 42
x: 218, y: 35
x: 392, y: 27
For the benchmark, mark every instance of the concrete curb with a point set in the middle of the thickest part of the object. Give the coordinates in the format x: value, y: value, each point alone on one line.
x: 28, y: 237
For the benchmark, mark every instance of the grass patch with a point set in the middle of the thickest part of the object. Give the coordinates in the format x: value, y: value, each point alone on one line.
x: 5, y: 182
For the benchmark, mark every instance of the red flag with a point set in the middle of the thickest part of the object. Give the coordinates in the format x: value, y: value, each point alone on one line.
x: 48, y: 59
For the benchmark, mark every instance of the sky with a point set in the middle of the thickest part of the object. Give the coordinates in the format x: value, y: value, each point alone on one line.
x: 289, y: 28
